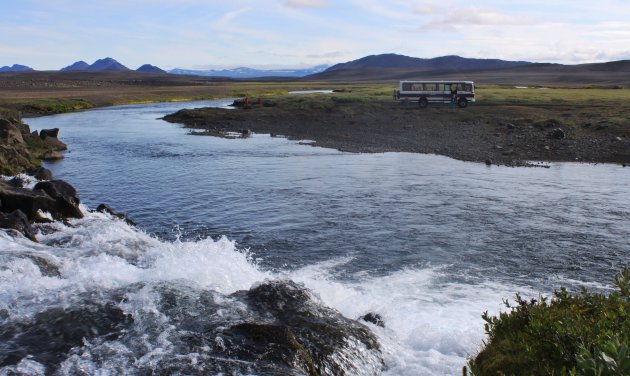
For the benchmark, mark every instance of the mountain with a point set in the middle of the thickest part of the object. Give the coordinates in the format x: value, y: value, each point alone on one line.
x: 148, y: 68
x: 451, y: 62
x: 107, y: 64
x: 15, y: 68
x: 77, y: 66
x: 244, y: 72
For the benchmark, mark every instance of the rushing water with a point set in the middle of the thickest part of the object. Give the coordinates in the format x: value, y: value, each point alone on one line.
x: 427, y: 242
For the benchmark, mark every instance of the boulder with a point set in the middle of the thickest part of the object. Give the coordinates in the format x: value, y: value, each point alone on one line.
x: 10, y: 134
x: 374, y: 318
x: 41, y: 173
x: 66, y: 199
x: 104, y: 208
x: 49, y: 136
x: 25, y: 200
x: 44, y: 133
x: 557, y: 134
x: 17, y: 220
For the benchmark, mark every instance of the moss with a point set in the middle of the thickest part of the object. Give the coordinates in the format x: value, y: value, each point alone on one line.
x: 569, y: 334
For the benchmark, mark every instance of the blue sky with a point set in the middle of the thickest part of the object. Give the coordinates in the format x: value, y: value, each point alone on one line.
x: 50, y: 34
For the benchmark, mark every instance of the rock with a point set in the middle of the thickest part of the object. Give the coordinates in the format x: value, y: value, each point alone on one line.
x: 52, y: 155
x: 557, y: 134
x: 66, y: 198
x: 510, y: 126
x: 49, y: 136
x: 321, y: 332
x: 25, y: 200
x: 44, y: 133
x: 18, y: 182
x: 49, y: 335
x: 17, y: 220
x: 41, y: 173
x: 374, y: 318
x: 488, y: 162
x: 104, y: 208
x: 10, y: 134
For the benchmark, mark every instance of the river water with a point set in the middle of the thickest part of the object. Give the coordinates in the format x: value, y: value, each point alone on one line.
x: 427, y: 242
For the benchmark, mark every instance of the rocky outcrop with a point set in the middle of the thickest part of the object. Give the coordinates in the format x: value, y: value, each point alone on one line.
x: 66, y: 199
x: 104, y: 208
x: 21, y: 150
x: 25, y: 200
x: 18, y: 221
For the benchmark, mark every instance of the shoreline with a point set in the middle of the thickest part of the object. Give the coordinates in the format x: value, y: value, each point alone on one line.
x: 493, y: 134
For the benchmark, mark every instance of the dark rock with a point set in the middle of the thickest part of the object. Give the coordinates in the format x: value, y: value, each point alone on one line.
x: 557, y: 134
x: 66, y: 198
x: 269, y: 103
x: 41, y: 173
x: 49, y: 336
x: 44, y: 133
x: 17, y: 182
x: 321, y: 331
x: 488, y: 162
x: 25, y: 200
x: 104, y: 208
x: 17, y: 220
x: 374, y: 318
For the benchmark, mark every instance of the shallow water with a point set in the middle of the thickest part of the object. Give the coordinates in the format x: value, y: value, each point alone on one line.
x: 426, y: 241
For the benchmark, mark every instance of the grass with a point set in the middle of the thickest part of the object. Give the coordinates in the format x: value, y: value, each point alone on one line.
x: 570, y: 334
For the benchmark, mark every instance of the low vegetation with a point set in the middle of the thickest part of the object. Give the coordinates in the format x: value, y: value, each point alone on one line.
x: 569, y: 334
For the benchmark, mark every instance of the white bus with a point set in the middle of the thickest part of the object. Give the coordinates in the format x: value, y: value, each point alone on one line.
x: 424, y: 92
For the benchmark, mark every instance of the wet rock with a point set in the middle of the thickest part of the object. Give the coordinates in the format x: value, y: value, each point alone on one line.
x: 46, y: 266
x: 66, y: 199
x: 374, y: 318
x: 557, y: 134
x: 322, y: 332
x: 49, y: 336
x: 104, y: 208
x: 18, y: 182
x: 41, y: 173
x: 25, y: 200
x: 17, y: 220
x: 276, y: 328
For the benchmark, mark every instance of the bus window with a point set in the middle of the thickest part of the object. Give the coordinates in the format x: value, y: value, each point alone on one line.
x: 406, y: 86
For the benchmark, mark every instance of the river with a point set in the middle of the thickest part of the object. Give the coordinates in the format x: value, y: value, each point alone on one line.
x: 427, y: 242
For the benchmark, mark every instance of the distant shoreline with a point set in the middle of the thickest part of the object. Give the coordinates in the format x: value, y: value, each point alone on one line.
x: 492, y: 134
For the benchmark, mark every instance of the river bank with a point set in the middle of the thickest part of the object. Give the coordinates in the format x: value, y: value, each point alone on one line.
x: 494, y: 133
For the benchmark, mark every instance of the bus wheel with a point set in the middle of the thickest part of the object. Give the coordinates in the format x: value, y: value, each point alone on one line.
x: 423, y: 102
x: 462, y: 103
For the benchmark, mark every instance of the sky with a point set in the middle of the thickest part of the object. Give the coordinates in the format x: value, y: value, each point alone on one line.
x: 204, y: 34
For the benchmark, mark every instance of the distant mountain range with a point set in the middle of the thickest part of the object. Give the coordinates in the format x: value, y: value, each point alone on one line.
x: 15, y: 68
x: 244, y: 72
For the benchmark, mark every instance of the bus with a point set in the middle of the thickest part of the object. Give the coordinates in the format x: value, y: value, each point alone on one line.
x: 424, y: 92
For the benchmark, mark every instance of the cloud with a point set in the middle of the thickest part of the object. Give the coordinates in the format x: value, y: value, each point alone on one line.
x: 306, y: 3
x: 462, y: 17
x: 327, y: 55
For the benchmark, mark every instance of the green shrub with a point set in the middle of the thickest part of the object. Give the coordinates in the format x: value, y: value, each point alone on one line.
x: 569, y: 334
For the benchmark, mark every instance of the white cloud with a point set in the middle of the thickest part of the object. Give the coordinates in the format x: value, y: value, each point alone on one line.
x: 462, y: 17
x: 306, y: 3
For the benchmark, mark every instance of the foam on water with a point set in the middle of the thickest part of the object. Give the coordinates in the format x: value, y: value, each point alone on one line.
x: 431, y: 326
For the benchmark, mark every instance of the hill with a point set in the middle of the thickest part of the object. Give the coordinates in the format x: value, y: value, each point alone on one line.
x: 148, y: 68
x: 76, y: 66
x: 15, y: 68
x: 450, y: 62
x: 107, y: 64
